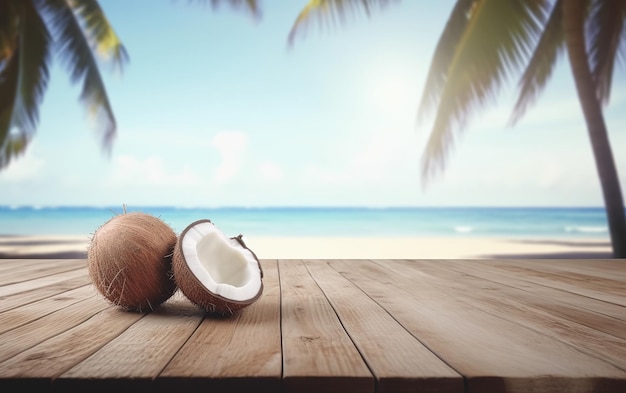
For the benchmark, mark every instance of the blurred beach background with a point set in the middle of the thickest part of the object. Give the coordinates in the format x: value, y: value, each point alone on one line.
x: 309, y: 149
x: 305, y: 232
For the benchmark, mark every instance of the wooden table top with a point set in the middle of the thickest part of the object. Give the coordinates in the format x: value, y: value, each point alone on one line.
x: 328, y: 326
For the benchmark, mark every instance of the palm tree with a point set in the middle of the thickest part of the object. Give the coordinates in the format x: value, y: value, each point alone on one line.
x: 78, y: 32
x: 30, y: 30
x: 485, y: 42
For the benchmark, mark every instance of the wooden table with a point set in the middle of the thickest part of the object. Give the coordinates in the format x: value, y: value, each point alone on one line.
x: 328, y: 326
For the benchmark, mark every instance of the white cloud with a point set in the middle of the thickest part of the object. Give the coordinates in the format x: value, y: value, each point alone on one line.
x: 23, y: 168
x: 270, y: 172
x: 232, y: 147
x: 381, y: 158
x: 151, y: 171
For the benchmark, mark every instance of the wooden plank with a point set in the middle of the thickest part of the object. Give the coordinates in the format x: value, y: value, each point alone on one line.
x: 41, y: 364
x: 580, y: 302
x: 522, y: 308
x: 583, y: 310
x: 15, y: 341
x: 318, y: 355
x: 603, y: 268
x: 12, y: 301
x: 37, y: 270
x: 611, y: 291
x: 591, y: 270
x: 135, y: 358
x: 22, y: 315
x: 240, y: 353
x: 19, y: 287
x: 397, y: 359
x: 12, y: 268
x: 492, y: 353
x: 17, y: 265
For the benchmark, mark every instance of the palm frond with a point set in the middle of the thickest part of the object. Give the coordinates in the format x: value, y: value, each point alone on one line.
x: 497, y: 42
x: 551, y: 45
x: 444, y: 52
x: 23, y: 81
x: 333, y: 11
x: 99, y: 32
x: 76, y: 52
x: 34, y: 43
x: 9, y: 76
x: 13, y: 147
x: 605, y: 31
x: 252, y: 7
x: 9, y: 20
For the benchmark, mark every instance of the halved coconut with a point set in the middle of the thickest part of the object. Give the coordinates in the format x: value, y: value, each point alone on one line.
x: 220, y: 274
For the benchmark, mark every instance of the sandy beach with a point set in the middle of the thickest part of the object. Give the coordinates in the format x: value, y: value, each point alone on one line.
x: 346, y: 247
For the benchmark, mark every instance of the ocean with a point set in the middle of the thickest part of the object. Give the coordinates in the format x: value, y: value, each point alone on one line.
x: 509, y: 222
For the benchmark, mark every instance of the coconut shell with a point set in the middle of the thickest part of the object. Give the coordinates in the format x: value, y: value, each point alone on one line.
x: 130, y: 261
x: 199, y: 294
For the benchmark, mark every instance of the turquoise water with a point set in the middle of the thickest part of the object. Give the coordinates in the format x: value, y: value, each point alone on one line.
x: 454, y: 221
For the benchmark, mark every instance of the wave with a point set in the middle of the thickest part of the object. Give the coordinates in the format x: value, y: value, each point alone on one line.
x: 586, y: 229
x: 463, y: 229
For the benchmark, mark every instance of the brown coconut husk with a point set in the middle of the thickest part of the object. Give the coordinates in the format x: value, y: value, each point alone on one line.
x: 130, y: 261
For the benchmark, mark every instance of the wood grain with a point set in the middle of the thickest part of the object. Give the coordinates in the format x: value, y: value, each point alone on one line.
x: 14, y: 300
x: 489, y: 351
x: 398, y: 360
x: 525, y: 309
x: 27, y: 313
x: 611, y: 291
x: 488, y: 325
x: 140, y: 352
x: 242, y: 352
x: 318, y: 354
x: 29, y: 285
x: 26, y: 270
x: 44, y: 362
x: 15, y: 341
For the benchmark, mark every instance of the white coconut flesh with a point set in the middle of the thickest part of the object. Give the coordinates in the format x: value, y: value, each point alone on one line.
x: 222, y: 265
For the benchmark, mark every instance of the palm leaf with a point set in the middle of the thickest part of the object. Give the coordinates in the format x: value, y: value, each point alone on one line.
x: 251, y: 6
x: 99, y: 32
x: 444, y: 51
x: 9, y: 20
x: 497, y: 42
x: 13, y: 147
x: 9, y: 76
x: 551, y: 45
x: 34, y: 45
x: 605, y: 35
x: 330, y: 11
x: 76, y: 52
x: 23, y: 82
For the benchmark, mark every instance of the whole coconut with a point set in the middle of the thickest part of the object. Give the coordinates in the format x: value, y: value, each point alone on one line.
x: 130, y: 261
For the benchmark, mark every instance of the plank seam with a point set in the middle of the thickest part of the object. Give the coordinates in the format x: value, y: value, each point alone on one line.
x: 556, y: 276
x: 158, y: 374
x: 280, y: 325
x: 38, y: 300
x: 43, y: 274
x: 545, y: 286
x: 400, y: 323
x: 44, y: 314
x: 330, y: 303
x: 504, y: 317
x: 95, y: 349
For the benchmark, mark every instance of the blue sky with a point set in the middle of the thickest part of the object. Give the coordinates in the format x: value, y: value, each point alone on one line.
x: 214, y: 109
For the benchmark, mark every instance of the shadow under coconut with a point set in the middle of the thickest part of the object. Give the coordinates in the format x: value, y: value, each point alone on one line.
x: 179, y: 306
